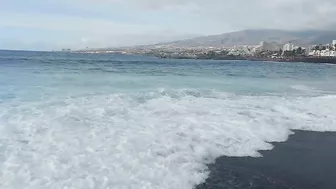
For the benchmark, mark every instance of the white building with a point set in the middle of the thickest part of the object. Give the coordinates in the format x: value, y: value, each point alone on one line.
x: 324, y: 53
x: 240, y: 50
x: 314, y: 53
x: 334, y: 42
x: 328, y: 53
x: 265, y: 46
x: 288, y: 47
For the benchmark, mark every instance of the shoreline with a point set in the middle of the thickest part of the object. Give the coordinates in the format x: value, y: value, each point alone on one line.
x: 314, y: 60
x: 305, y: 161
x: 301, y: 59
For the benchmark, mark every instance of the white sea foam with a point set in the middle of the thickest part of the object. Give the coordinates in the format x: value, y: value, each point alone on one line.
x: 306, y: 88
x: 155, y: 140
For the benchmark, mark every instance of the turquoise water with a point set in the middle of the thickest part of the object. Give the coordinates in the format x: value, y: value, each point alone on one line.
x: 120, y: 121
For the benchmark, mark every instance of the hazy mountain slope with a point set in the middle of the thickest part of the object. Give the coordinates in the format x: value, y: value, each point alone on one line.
x: 252, y: 37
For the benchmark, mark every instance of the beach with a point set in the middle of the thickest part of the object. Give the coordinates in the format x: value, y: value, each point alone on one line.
x: 305, y: 161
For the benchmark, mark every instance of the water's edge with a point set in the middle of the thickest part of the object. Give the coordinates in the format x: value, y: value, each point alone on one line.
x: 305, y: 161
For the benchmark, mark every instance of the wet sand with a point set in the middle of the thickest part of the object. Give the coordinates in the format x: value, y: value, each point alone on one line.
x: 306, y: 161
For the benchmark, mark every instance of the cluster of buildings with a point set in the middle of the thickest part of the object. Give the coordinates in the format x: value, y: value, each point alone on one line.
x: 66, y: 50
x: 241, y: 51
x: 262, y: 50
x: 328, y: 50
x: 262, y: 47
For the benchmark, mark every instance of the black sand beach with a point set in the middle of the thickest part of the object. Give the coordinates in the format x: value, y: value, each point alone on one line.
x: 306, y: 161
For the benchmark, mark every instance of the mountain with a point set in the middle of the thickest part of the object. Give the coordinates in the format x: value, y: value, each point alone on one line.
x: 253, y: 37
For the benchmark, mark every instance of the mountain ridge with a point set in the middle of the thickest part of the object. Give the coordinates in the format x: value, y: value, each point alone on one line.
x: 254, y: 37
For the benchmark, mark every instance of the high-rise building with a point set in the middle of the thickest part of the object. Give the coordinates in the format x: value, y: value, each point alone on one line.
x: 288, y: 47
x: 334, y: 42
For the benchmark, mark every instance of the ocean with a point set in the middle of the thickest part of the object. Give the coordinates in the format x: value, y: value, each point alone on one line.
x: 121, y: 121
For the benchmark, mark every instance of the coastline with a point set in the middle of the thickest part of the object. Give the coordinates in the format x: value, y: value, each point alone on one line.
x: 302, y: 59
x: 315, y: 60
x: 305, y: 161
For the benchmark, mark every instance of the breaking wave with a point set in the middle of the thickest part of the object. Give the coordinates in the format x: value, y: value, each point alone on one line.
x: 159, y: 139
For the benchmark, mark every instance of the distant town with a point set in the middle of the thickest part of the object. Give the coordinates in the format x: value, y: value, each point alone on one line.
x: 268, y: 51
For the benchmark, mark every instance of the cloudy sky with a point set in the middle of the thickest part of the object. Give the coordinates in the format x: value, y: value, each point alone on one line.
x: 55, y: 24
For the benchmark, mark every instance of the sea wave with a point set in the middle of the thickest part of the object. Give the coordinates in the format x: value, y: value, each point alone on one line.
x: 158, y: 139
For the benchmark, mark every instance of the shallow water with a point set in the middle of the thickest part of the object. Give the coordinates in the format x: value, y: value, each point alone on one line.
x: 117, y: 121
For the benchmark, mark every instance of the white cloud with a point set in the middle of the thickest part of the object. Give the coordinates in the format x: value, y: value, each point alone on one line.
x: 72, y: 24
x: 210, y: 16
x: 83, y: 31
x: 245, y: 14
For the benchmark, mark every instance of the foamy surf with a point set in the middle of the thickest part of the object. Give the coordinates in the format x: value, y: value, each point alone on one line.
x: 157, y: 139
x: 112, y: 121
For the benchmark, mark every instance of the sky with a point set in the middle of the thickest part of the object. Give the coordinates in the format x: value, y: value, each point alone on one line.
x: 77, y: 24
